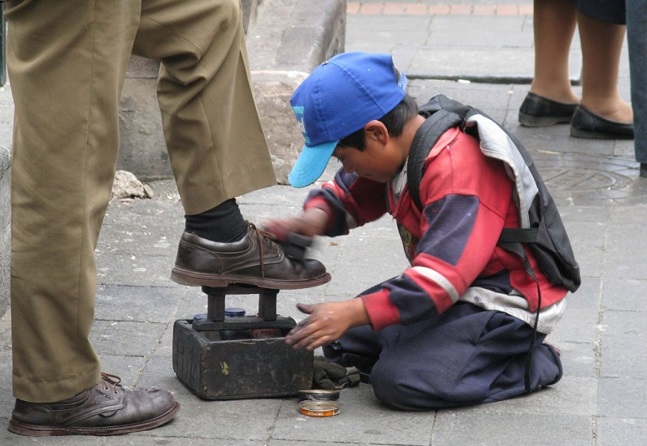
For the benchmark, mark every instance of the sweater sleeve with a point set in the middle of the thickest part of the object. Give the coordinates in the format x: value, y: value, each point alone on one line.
x: 350, y: 201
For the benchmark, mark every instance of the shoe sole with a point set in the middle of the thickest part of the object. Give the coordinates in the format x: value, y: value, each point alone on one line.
x: 542, y: 121
x: 588, y: 134
x: 190, y: 278
x: 33, y: 430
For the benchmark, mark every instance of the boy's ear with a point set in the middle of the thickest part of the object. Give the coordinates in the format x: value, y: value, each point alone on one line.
x: 376, y: 130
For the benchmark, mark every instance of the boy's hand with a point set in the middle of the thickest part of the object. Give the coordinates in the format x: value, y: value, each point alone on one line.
x: 311, y: 222
x: 326, y: 323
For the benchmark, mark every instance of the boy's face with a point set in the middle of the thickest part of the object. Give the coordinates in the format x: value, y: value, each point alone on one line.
x: 380, y: 160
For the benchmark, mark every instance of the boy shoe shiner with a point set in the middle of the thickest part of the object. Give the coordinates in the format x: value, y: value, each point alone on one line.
x: 456, y: 327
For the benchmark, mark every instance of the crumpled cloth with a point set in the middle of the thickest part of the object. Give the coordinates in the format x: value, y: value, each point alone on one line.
x: 327, y: 375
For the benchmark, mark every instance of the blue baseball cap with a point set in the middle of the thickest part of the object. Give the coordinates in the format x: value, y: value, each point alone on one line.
x: 337, y: 99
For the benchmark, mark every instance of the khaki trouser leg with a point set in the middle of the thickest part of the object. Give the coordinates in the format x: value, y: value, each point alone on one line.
x: 213, y: 133
x: 66, y: 60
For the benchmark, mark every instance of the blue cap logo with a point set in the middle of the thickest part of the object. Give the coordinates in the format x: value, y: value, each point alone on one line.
x: 298, y: 112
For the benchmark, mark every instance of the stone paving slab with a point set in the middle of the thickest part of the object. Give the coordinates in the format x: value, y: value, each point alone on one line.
x: 601, y: 399
x: 452, y: 40
x: 138, y: 312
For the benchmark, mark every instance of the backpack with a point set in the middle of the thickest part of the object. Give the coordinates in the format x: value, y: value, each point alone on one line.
x: 542, y: 229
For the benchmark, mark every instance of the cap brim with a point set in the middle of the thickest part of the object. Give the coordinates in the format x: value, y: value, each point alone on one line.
x: 310, y: 164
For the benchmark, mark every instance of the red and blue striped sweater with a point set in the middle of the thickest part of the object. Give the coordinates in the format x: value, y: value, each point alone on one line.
x: 452, y: 244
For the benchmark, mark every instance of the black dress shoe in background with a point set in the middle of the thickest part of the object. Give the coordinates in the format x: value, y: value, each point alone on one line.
x: 255, y: 260
x: 643, y: 170
x: 106, y: 409
x: 537, y: 111
x: 586, y: 124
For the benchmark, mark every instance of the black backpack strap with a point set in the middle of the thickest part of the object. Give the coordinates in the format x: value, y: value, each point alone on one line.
x: 426, y: 137
x: 518, y: 235
x: 516, y: 247
x: 441, y: 113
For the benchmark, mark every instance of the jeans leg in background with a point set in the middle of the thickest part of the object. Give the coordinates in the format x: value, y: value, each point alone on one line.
x: 637, y: 41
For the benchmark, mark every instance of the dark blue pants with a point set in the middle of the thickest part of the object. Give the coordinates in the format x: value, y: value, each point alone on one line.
x: 637, y: 44
x: 465, y: 356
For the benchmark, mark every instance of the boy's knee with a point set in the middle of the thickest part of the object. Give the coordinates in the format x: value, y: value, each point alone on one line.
x: 390, y: 387
x: 404, y: 389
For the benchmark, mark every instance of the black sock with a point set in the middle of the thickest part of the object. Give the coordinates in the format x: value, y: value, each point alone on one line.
x: 224, y: 223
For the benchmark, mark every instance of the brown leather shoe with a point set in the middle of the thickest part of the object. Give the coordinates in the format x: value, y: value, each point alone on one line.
x: 255, y: 260
x: 106, y: 409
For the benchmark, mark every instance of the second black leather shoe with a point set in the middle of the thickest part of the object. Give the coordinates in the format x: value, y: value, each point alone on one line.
x: 255, y: 260
x: 586, y: 124
x: 538, y: 111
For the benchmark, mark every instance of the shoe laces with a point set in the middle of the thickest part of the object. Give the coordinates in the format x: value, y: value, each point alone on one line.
x: 109, y: 380
x: 261, y: 236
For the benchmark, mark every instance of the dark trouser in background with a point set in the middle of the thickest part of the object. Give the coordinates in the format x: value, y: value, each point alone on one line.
x: 637, y: 42
x: 465, y: 356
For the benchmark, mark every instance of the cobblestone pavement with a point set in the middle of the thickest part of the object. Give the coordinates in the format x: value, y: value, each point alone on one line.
x: 478, y: 52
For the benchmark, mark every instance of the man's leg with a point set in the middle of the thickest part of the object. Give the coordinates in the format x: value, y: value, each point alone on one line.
x: 213, y: 132
x: 66, y: 62
x: 216, y: 144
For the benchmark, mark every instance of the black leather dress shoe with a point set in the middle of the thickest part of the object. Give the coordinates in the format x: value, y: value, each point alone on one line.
x: 106, y: 409
x: 537, y: 111
x: 255, y: 260
x: 586, y: 124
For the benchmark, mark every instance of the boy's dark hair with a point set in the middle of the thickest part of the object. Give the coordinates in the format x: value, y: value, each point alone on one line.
x: 394, y: 122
